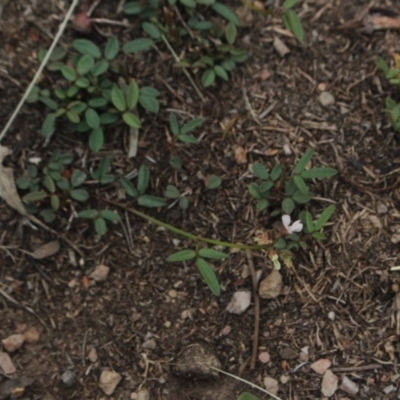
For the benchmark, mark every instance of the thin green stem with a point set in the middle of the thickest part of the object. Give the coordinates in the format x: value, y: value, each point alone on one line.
x: 177, y: 59
x: 185, y: 234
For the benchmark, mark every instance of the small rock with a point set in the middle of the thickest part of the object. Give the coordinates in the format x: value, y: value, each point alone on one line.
x: 288, y: 353
x: 31, y: 335
x: 271, y: 385
x: 280, y: 47
x: 264, y: 357
x: 270, y: 286
x: 239, y: 303
x: 329, y: 383
x: 6, y: 364
x: 93, y: 356
x: 389, y: 389
x: 109, y: 380
x: 395, y: 238
x: 326, y: 99
x: 349, y: 386
x: 226, y: 330
x: 194, y: 362
x: 167, y: 324
x: 149, y: 344
x: 68, y: 378
x: 321, y: 365
x: 284, y: 379
x: 381, y: 208
x: 100, y: 273
x: 240, y: 155
x: 13, y: 342
x: 173, y: 294
x: 331, y: 315
x: 143, y: 395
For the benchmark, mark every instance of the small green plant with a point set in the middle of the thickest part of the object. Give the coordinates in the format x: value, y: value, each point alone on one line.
x: 86, y: 98
x: 393, y: 76
x: 172, y: 192
x: 183, y: 133
x: 52, y: 184
x: 100, y: 218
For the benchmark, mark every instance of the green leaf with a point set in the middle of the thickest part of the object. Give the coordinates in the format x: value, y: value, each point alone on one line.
x: 88, y: 214
x: 23, y: 182
x: 100, y: 226
x: 262, y: 204
x: 265, y: 187
x: 48, y: 125
x: 173, y: 124
x: 132, y: 94
x: 150, y: 103
x: 50, y: 103
x: 33, y: 95
x: 293, y: 22
x: 254, y: 190
x: 318, y: 173
x: 213, y: 182
x: 96, y: 139
x: 108, y: 118
x: 49, y: 184
x: 175, y: 162
x: 288, y: 206
x: 260, y: 171
x: 97, y: 102
x: 68, y: 73
x: 219, y: 71
x: 48, y: 215
x: 35, y: 196
x: 110, y: 215
x: 72, y: 91
x: 301, y: 198
x: 289, y: 4
x: 188, y: 3
x: 82, y: 82
x: 85, y: 64
x: 63, y: 184
x: 324, y: 217
x: 280, y: 244
x: 381, y: 63
x: 92, y: 118
x: 152, y: 30
x: 319, y: 236
x: 118, y: 98
x: 305, y: 158
x: 211, y: 253
x: 191, y: 125
x: 79, y: 194
x: 188, y: 139
x: 247, y: 396
x: 85, y: 46
x: 131, y: 119
x: 134, y: 46
x: 149, y: 91
x: 78, y: 177
x: 208, y: 77
x: 228, y: 65
x: 231, y: 32
x: 112, y: 48
x: 100, y: 68
x: 73, y: 116
x: 226, y: 13
x: 133, y: 8
x: 129, y: 187
x: 184, y: 203
x: 301, y: 185
x: 183, y: 255
x: 276, y: 172
x: 309, y: 222
x: 171, y: 192
x: 143, y: 178
x: 151, y: 201
x: 209, y: 276
x: 55, y: 202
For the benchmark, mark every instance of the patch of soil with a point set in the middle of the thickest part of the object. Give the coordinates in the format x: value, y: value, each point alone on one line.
x: 339, y: 300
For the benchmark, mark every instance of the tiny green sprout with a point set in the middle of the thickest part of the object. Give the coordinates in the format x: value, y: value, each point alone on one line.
x: 172, y: 192
x: 183, y: 133
x: 100, y: 219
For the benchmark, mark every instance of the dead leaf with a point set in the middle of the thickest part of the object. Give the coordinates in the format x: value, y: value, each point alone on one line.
x: 8, y: 191
x: 46, y: 250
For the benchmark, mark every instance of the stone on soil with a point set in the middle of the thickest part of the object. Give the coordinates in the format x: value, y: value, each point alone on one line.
x: 321, y: 365
x: 270, y: 286
x: 109, y: 380
x: 13, y: 342
x: 100, y: 273
x: 271, y: 385
x: 239, y: 303
x: 68, y: 377
x: 6, y: 364
x: 326, y: 99
x: 31, y: 335
x: 349, y: 386
x: 329, y: 383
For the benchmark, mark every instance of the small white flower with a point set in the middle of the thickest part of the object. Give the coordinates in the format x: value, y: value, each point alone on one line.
x: 297, y: 226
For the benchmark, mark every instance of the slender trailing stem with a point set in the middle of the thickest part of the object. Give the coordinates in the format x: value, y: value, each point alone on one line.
x: 183, y: 68
x: 185, y: 234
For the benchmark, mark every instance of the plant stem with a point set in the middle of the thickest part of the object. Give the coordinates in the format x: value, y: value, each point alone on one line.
x: 185, y: 234
x: 183, y: 68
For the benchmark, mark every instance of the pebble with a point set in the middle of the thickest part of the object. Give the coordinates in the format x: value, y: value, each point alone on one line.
x: 149, y: 344
x: 349, y: 386
x: 6, y: 364
x: 226, y: 330
x: 100, y: 273
x: 31, y: 335
x: 143, y: 395
x: 239, y: 303
x: 284, y: 379
x: 264, y: 357
x: 288, y: 353
x: 68, y: 378
x: 13, y: 342
x: 270, y: 286
x: 326, y: 99
x: 109, y: 380
x: 271, y: 385
x: 93, y: 356
x: 173, y: 294
x: 329, y: 383
x: 321, y: 365
x: 167, y: 324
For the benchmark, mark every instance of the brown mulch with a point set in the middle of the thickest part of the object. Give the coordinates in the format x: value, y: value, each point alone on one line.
x: 339, y: 301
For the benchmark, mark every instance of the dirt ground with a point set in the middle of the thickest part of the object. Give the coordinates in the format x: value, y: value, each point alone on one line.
x: 338, y: 302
